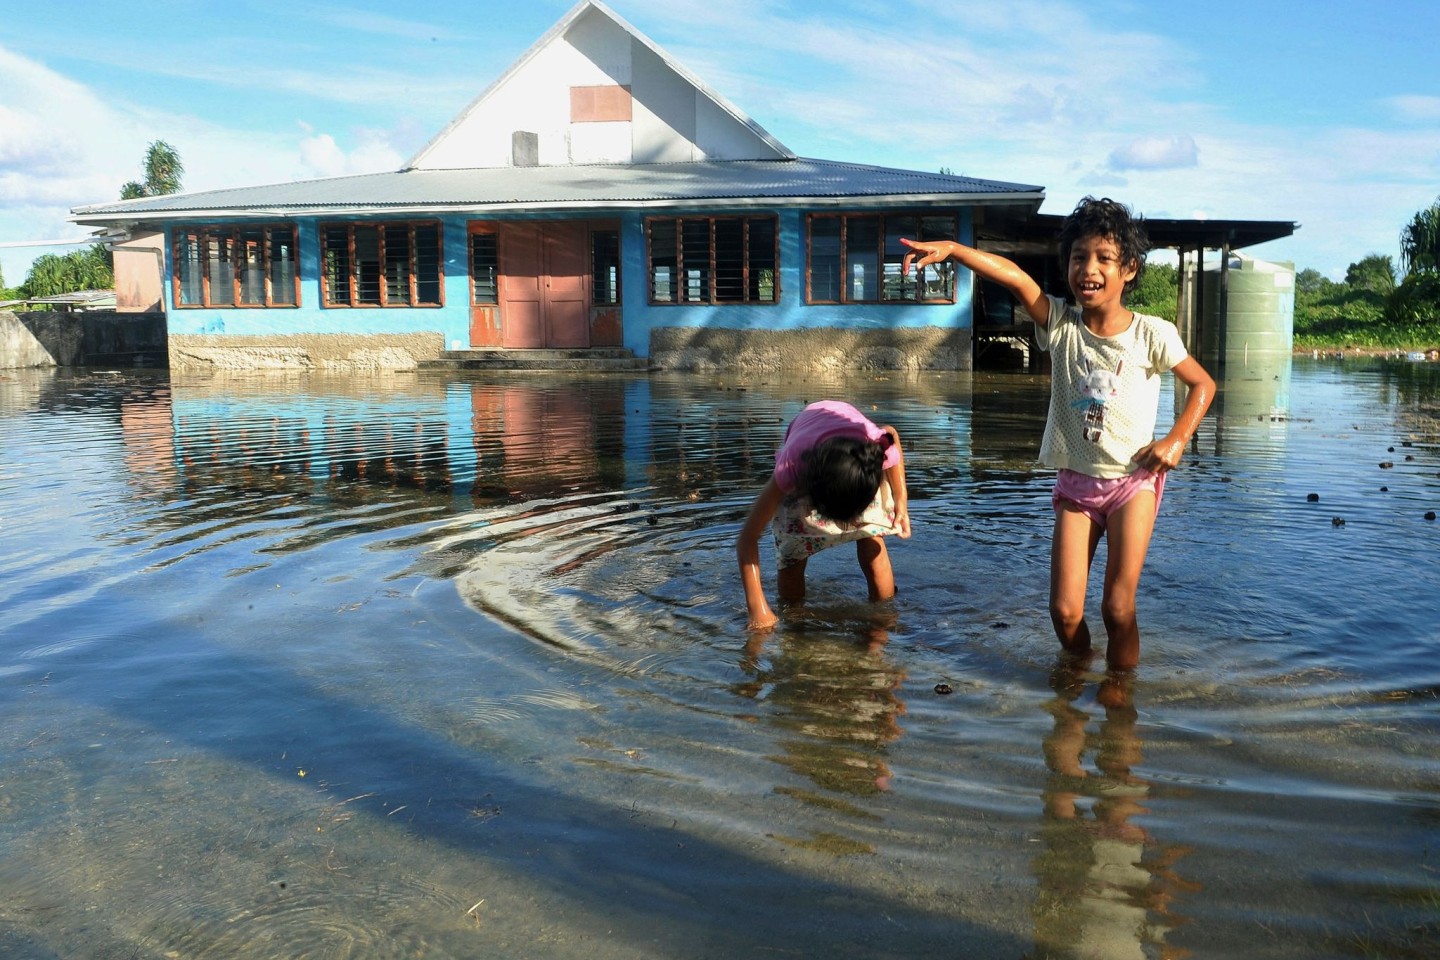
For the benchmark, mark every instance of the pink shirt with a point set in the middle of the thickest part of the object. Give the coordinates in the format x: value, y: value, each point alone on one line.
x: 819, y: 422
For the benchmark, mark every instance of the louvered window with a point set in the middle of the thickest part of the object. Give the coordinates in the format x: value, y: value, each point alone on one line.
x: 605, y: 266
x: 855, y: 258
x: 485, y: 269
x: 382, y: 265
x: 713, y: 260
x: 232, y: 266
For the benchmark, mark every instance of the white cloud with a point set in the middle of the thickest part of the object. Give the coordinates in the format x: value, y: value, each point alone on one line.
x: 65, y: 145
x: 1414, y: 108
x: 1156, y: 153
x: 323, y: 157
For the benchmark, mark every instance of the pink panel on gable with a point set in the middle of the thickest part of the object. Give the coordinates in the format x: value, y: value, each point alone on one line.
x: 600, y: 104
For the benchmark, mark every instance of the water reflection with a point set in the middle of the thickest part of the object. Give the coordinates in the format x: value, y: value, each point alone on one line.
x: 1107, y: 887
x: 517, y: 595
x: 834, y: 702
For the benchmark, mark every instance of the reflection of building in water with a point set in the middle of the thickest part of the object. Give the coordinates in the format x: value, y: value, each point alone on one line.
x: 834, y: 706
x: 1106, y: 886
x: 544, y: 438
x: 147, y: 429
x: 310, y: 437
x: 482, y: 440
x: 1007, y: 421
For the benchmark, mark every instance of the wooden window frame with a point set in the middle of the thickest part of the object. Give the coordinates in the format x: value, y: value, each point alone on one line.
x: 354, y: 279
x: 709, y: 268
x: 596, y: 282
x: 946, y: 272
x: 489, y: 230
x: 241, y: 237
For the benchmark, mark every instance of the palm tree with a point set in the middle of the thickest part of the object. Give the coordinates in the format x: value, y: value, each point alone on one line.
x: 163, y: 170
x: 1420, y: 241
x: 88, y: 269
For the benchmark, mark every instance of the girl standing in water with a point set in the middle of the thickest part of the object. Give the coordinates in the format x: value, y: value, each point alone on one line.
x: 1104, y: 399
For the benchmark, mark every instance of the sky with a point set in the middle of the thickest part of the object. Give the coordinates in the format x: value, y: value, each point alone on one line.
x: 1324, y: 113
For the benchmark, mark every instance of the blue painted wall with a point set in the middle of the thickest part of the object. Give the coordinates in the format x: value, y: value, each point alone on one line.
x: 453, y: 319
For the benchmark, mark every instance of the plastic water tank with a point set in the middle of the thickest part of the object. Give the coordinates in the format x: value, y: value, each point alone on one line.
x: 1260, y: 318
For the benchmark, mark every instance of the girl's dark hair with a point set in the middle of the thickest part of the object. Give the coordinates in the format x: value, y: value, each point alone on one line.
x: 1107, y: 218
x: 841, y: 475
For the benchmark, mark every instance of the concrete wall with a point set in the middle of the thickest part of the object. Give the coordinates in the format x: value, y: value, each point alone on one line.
x: 303, y: 351
x: 824, y: 350
x: 91, y: 338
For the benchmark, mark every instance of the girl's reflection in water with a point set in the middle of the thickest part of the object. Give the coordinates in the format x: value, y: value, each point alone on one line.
x: 834, y: 701
x: 1106, y: 886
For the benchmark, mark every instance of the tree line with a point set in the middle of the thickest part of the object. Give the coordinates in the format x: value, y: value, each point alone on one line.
x: 1376, y: 306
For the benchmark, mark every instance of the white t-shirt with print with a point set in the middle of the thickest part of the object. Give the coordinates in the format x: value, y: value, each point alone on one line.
x: 1104, y: 391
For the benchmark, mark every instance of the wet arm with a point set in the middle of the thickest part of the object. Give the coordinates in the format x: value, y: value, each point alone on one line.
x: 1165, y: 453
x: 895, y: 476
x: 989, y: 266
x: 747, y: 554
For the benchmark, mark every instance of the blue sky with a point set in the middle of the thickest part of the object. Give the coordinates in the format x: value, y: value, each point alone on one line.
x: 1324, y: 113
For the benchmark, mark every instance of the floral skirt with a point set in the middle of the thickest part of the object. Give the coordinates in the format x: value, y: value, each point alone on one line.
x: 800, y: 532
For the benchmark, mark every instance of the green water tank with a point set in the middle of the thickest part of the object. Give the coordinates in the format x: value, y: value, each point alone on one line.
x: 1260, y: 318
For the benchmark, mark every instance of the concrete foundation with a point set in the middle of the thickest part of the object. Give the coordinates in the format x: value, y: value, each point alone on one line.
x: 191, y: 353
x: 35, y: 338
x: 818, y: 350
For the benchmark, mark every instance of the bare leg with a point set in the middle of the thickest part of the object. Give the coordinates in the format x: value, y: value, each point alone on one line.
x: 875, y: 564
x: 790, y: 583
x: 1071, y: 550
x: 1127, y: 538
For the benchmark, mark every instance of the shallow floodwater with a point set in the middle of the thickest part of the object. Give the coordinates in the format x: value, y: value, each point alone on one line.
x: 413, y: 667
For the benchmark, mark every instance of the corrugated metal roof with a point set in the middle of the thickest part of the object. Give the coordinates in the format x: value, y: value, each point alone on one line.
x: 729, y: 183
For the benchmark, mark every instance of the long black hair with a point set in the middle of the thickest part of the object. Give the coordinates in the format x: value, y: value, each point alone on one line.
x: 841, y: 475
x: 1107, y: 218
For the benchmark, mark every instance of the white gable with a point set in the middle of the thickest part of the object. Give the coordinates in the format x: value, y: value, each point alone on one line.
x: 594, y: 90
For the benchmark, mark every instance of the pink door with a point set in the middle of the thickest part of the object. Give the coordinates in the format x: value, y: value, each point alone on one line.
x: 545, y: 285
x: 522, y: 307
x: 567, y: 285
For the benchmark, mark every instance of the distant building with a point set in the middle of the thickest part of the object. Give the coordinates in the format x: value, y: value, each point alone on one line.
x: 596, y: 195
x: 597, y: 198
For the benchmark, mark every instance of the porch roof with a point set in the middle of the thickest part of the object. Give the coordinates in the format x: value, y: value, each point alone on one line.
x: 725, y: 184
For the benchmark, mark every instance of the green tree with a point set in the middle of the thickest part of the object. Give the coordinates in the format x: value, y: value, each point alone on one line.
x: 1158, y: 292
x: 1309, y: 280
x: 163, y: 171
x: 1420, y: 241
x: 88, y: 269
x: 1375, y: 273
x: 1415, y: 304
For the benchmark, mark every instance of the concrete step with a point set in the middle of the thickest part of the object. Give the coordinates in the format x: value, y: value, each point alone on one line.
x: 613, y: 359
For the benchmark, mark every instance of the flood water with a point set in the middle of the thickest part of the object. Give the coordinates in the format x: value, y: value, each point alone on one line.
x: 416, y: 667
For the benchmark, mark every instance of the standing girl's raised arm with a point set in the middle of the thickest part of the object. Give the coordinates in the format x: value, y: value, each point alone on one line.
x: 989, y: 266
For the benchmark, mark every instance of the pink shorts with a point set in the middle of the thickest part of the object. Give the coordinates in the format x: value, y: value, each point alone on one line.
x: 1098, y: 497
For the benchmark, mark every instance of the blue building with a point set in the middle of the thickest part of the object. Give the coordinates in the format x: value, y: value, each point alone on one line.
x: 597, y: 197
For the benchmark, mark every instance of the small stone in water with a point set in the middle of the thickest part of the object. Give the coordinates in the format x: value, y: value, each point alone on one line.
x: 1312, y: 498
x: 943, y: 688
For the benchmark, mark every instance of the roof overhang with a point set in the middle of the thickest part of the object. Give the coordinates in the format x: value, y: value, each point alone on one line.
x: 1038, y: 232
x: 702, y: 186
